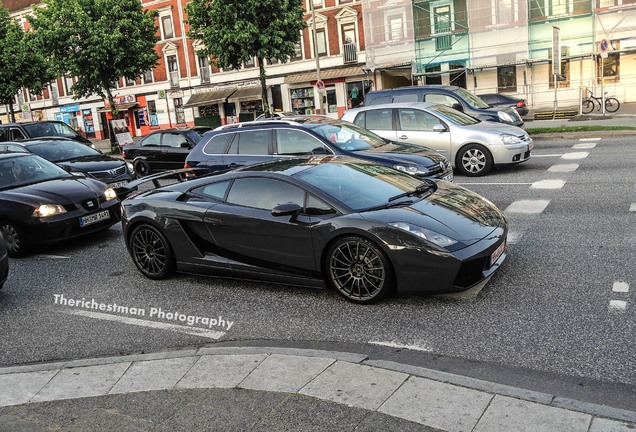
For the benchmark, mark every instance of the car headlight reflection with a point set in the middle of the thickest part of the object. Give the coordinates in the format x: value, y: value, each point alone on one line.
x: 510, y: 139
x: 46, y: 210
x: 504, y: 116
x: 426, y: 234
x: 130, y: 167
x: 411, y: 169
x: 110, y: 194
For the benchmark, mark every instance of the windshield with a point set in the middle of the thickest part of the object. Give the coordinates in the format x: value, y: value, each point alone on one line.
x: 44, y: 129
x: 25, y: 170
x: 454, y: 115
x: 194, y: 136
x: 471, y: 99
x: 359, y: 186
x: 58, y: 151
x: 345, y: 135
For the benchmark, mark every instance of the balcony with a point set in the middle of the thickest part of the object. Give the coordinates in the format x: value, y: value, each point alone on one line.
x: 204, y: 73
x: 443, y: 42
x: 174, y: 79
x: 350, y: 53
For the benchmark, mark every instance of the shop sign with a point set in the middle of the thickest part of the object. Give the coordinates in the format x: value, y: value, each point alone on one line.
x: 69, y: 108
x: 142, y: 115
x: 124, y: 99
x: 89, y: 125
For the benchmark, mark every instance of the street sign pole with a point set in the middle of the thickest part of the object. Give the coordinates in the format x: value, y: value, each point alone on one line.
x: 556, y: 63
x: 315, y: 39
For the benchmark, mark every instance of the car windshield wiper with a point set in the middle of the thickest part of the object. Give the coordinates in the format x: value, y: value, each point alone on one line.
x: 387, y: 205
x: 426, y: 186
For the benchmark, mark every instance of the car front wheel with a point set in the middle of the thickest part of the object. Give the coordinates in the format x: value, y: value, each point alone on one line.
x: 142, y: 167
x: 474, y: 160
x: 359, y: 270
x: 151, y: 252
x: 17, y: 246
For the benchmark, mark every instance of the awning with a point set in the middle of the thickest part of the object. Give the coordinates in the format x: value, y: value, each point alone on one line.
x: 120, y: 107
x: 209, y: 97
x: 325, y: 74
x: 247, y: 94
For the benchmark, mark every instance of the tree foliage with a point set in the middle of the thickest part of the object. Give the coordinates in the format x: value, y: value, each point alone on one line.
x: 234, y: 32
x: 21, y: 65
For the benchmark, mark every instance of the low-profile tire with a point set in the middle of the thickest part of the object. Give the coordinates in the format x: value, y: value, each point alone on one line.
x: 17, y: 245
x: 474, y: 160
x: 359, y: 270
x: 141, y: 167
x: 151, y: 252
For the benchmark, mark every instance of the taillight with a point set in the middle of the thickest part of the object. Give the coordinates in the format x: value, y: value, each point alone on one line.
x: 186, y: 166
x: 123, y: 154
x: 521, y: 103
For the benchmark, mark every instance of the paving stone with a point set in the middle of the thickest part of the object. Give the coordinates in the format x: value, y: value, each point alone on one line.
x: 11, y: 423
x: 82, y: 382
x: 153, y: 375
x: 606, y: 425
x: 220, y: 371
x: 156, y: 406
x: 437, y: 404
x: 21, y: 387
x: 285, y: 373
x: 508, y: 414
x: 105, y: 421
x: 355, y: 385
x: 378, y: 422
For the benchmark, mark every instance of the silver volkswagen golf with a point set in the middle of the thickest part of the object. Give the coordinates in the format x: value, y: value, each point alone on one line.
x: 472, y: 146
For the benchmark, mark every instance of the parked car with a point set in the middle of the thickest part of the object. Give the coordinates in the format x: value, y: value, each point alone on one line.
x: 201, y: 129
x: 497, y: 100
x: 473, y: 146
x: 4, y: 262
x: 241, y: 144
x: 452, y: 96
x: 39, y: 129
x: 273, y: 116
x: 162, y: 150
x: 366, y: 229
x: 41, y: 203
x: 80, y: 159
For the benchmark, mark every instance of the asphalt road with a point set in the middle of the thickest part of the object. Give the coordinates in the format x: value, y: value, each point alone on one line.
x: 555, y: 315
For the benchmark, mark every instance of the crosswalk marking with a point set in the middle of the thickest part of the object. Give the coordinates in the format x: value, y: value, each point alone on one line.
x: 527, y: 206
x: 621, y: 287
x: 575, y: 155
x: 584, y: 146
x: 563, y: 168
x: 548, y: 184
x: 618, y: 304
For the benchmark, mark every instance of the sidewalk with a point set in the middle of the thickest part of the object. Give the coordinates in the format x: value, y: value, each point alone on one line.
x: 278, y: 389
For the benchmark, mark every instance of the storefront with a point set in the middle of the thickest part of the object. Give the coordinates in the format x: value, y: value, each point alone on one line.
x: 248, y: 101
x: 127, y: 107
x: 209, y: 103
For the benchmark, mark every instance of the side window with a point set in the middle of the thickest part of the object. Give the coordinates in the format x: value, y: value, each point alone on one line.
x: 416, y: 120
x: 253, y: 142
x: 4, y: 135
x: 264, y: 193
x: 218, y: 144
x: 380, y: 100
x: 151, y: 141
x: 213, y: 190
x: 360, y: 120
x: 173, y: 140
x: 406, y: 97
x: 16, y: 134
x: 380, y: 119
x: 440, y: 99
x: 317, y: 207
x: 295, y: 142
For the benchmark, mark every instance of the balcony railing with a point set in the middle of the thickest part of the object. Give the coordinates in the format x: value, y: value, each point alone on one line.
x: 350, y: 52
x: 174, y: 79
x: 204, y: 73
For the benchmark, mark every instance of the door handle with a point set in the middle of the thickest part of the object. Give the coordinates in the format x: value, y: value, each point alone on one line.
x: 404, y: 137
x: 211, y: 221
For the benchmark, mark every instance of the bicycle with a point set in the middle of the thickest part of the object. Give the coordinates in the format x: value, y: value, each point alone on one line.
x: 611, y: 103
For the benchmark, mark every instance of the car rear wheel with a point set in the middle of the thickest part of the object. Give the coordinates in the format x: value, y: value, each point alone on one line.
x: 142, y: 167
x: 474, y: 160
x: 151, y: 252
x: 17, y: 246
x: 359, y: 270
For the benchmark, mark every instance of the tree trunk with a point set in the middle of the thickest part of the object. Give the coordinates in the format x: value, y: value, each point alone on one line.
x: 12, y: 113
x: 114, y: 147
x: 263, y: 78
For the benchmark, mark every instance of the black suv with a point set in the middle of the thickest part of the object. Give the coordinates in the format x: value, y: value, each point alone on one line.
x: 248, y: 143
x: 452, y: 96
x: 39, y: 129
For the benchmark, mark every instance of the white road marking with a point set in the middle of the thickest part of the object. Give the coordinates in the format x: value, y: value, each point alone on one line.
x: 618, y: 304
x: 584, y: 146
x: 495, y: 184
x: 621, y: 287
x: 210, y: 334
x: 52, y: 256
x: 575, y: 155
x: 527, y: 206
x: 590, y: 139
x: 632, y: 207
x: 548, y: 184
x: 547, y: 155
x: 393, y: 344
x: 563, y: 168
x: 514, y: 237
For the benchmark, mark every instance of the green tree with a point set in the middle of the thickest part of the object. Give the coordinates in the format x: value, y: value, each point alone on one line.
x: 98, y: 42
x: 237, y: 31
x: 21, y: 65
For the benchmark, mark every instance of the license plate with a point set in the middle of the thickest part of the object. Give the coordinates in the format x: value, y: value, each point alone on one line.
x: 93, y: 218
x: 448, y: 177
x: 117, y: 185
x: 497, y: 253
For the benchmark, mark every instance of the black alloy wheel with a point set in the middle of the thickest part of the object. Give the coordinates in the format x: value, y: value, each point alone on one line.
x: 474, y: 160
x: 359, y: 270
x: 151, y: 252
x: 141, y: 167
x: 14, y: 238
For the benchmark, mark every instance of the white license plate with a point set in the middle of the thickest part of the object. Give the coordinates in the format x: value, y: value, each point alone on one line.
x: 497, y: 253
x: 118, y: 184
x: 448, y: 177
x: 95, y: 217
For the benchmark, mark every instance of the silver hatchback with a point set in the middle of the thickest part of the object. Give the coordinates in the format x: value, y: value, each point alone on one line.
x: 472, y: 146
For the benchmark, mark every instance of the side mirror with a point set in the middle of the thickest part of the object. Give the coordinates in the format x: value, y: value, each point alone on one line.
x: 319, y: 151
x: 287, y: 209
x: 458, y: 107
x: 65, y: 168
x: 185, y: 145
x: 439, y: 128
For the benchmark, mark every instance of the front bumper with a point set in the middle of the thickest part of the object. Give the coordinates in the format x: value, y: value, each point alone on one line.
x: 511, y: 154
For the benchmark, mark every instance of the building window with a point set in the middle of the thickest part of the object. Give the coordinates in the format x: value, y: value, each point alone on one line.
x: 167, y: 32
x: 148, y: 77
x: 395, y: 27
x: 179, y: 112
x: 173, y: 70
x: 152, y: 112
x: 130, y: 82
x: 431, y: 76
x: 442, y: 19
x: 560, y: 7
x: 506, y: 79
x: 321, y: 41
x: 317, y: 4
x: 298, y: 51
x: 610, y: 68
x: 249, y: 64
x: 332, y: 104
x: 68, y: 85
x: 503, y: 11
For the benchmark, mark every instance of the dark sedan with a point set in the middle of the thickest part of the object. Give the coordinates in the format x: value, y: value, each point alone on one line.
x: 4, y: 262
x: 243, y: 144
x: 364, y: 228
x: 499, y: 100
x: 161, y: 150
x: 80, y: 159
x: 42, y: 203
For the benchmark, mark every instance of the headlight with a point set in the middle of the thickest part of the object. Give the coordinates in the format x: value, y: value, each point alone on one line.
x: 130, y: 167
x: 78, y: 174
x: 46, y: 210
x: 411, y: 169
x: 504, y: 116
x: 110, y: 194
x: 509, y: 139
x: 426, y: 234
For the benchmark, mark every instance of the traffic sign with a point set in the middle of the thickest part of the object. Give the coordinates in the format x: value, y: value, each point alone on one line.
x: 604, y: 45
x: 320, y: 85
